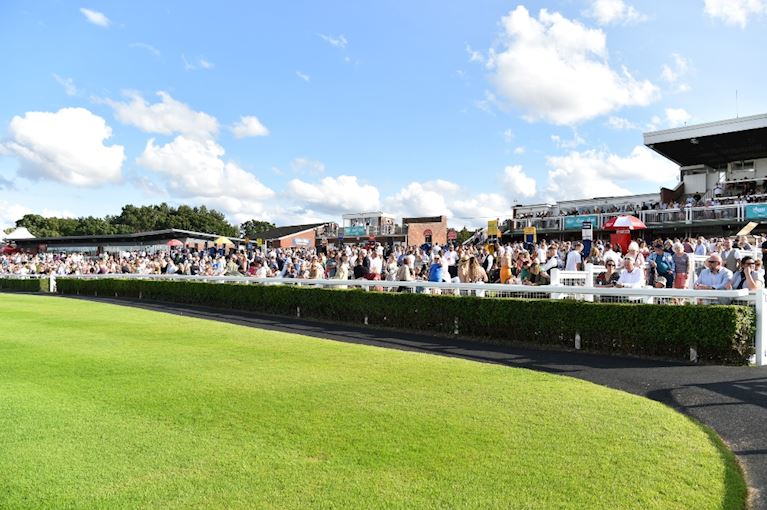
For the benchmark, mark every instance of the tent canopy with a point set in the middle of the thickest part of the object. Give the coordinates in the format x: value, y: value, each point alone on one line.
x: 19, y: 233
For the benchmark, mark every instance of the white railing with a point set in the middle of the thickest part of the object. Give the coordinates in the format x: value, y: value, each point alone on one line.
x: 687, y: 215
x: 564, y: 285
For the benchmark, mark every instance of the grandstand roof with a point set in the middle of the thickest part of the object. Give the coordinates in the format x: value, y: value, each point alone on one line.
x: 714, y: 143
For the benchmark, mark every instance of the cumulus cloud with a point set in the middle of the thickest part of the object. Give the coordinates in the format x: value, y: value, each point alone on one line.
x: 620, y: 123
x: 67, y: 83
x: 66, y: 146
x: 609, y: 12
x: 249, y: 126
x: 95, y: 17
x: 166, y: 117
x: 557, y: 70
x: 10, y: 213
x: 677, y: 117
x: 474, y: 211
x: 594, y: 173
x: 422, y: 199
x: 335, y: 195
x: 306, y: 165
x: 196, y: 168
x: 735, y: 12
x: 517, y: 183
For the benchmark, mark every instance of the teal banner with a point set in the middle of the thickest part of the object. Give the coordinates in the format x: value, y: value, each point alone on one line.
x: 754, y: 212
x: 575, y: 222
x: 355, y: 231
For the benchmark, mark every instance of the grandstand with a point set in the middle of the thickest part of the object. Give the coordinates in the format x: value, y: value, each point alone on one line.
x: 722, y: 185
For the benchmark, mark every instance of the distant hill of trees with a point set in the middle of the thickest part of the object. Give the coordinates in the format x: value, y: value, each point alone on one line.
x: 134, y: 219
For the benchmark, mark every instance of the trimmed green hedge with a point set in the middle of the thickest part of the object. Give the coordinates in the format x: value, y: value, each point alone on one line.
x: 28, y: 285
x: 720, y: 333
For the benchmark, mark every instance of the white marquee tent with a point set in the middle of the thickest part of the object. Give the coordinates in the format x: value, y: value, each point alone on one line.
x: 19, y: 233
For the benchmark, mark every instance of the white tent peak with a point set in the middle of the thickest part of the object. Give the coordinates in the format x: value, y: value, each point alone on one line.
x: 19, y: 233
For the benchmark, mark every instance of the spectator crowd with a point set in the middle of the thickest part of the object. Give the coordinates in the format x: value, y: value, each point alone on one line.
x: 730, y: 263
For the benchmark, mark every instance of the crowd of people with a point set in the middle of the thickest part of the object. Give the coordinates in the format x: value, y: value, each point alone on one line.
x: 730, y: 263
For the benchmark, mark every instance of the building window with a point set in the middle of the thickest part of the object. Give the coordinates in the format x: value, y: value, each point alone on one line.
x: 427, y: 236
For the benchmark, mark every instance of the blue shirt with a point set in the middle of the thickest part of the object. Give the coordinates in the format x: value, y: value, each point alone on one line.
x: 664, y: 263
x: 716, y: 281
x: 435, y: 272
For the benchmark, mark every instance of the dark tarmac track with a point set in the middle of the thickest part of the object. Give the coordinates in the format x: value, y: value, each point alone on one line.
x: 731, y: 400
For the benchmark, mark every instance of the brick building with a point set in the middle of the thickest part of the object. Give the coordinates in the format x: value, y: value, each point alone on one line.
x: 428, y: 229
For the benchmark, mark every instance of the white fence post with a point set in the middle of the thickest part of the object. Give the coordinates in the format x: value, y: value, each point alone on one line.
x: 761, y: 329
x: 554, y: 281
x: 589, y: 284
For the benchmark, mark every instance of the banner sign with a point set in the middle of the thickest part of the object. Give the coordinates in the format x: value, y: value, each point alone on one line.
x: 587, y: 231
x: 530, y: 234
x: 355, y: 231
x: 575, y: 222
x: 756, y: 211
x: 492, y: 228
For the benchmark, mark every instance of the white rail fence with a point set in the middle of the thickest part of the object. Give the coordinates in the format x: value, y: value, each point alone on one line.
x: 564, y: 285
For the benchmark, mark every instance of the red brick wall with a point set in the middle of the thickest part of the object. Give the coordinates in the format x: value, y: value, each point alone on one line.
x: 415, y: 233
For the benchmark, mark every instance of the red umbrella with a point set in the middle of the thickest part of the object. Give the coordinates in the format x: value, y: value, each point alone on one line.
x: 174, y: 242
x: 624, y: 221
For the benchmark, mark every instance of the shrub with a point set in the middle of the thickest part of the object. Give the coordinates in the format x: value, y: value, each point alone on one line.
x: 721, y: 333
x: 27, y: 285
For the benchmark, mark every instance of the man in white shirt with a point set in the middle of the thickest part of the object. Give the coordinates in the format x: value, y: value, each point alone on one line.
x: 574, y: 258
x: 552, y: 261
x: 631, y: 276
x: 611, y: 255
x: 451, y: 258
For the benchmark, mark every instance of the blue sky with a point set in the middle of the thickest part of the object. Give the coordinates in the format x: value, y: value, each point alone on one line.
x: 302, y: 111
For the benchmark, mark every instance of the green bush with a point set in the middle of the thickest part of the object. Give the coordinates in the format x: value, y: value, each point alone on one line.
x: 719, y: 333
x: 18, y: 285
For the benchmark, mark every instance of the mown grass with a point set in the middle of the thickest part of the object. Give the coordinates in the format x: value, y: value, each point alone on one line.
x: 110, y: 407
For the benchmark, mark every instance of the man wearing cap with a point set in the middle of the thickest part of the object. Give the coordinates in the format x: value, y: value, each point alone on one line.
x: 661, y: 264
x: 746, y: 277
x: 714, y: 276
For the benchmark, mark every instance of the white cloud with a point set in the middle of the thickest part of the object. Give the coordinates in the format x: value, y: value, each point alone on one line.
x: 335, y: 195
x: 556, y: 69
x: 620, y: 123
x: 508, y: 135
x: 67, y: 83
x: 677, y: 117
x: 475, y: 211
x: 95, y: 17
x: 574, y: 142
x: 198, y: 63
x: 519, y: 150
x: 303, y: 76
x: 517, y: 183
x: 144, y: 46
x: 475, y: 56
x: 66, y: 146
x: 338, y: 42
x: 593, y: 173
x: 167, y: 117
x: 608, y: 12
x: 422, y: 199
x: 195, y: 168
x: 735, y: 12
x: 249, y: 126
x: 10, y: 213
x: 305, y: 165
x: 674, y: 73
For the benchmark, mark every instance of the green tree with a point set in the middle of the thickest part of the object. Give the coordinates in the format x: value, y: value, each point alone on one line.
x: 252, y: 228
x: 463, y: 235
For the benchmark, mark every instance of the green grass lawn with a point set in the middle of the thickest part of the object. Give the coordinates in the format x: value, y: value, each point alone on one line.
x: 111, y: 407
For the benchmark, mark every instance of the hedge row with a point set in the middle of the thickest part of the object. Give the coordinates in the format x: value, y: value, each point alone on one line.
x: 29, y: 285
x: 719, y: 333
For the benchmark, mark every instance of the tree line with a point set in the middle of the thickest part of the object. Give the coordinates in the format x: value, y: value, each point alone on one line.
x: 133, y: 219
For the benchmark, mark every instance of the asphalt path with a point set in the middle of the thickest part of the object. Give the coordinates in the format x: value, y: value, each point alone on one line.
x: 731, y: 400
